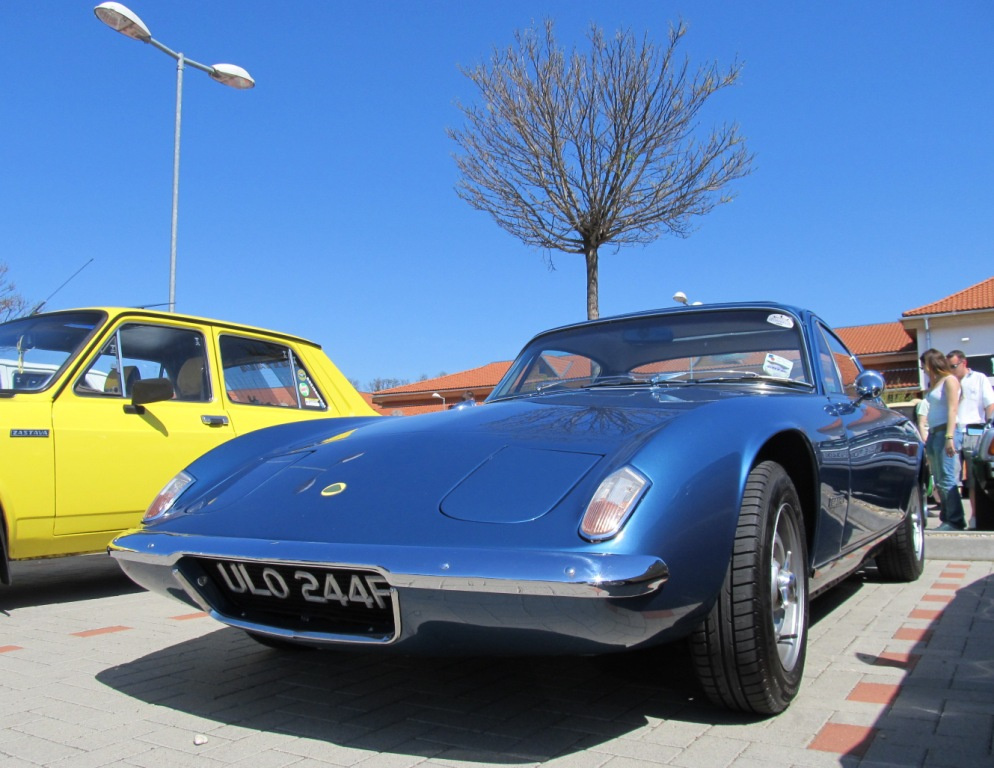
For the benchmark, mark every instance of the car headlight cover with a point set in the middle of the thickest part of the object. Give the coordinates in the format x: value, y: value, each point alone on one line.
x: 167, y: 496
x: 612, y: 504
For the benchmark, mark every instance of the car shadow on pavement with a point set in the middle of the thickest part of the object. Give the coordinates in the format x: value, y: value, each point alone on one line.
x: 836, y: 597
x: 494, y: 710
x: 63, y: 580
x: 498, y: 710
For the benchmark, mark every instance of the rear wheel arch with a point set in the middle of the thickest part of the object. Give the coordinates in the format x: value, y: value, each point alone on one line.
x: 924, y: 477
x: 902, y: 556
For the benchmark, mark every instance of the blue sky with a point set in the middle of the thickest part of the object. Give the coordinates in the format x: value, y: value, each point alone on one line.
x: 322, y: 202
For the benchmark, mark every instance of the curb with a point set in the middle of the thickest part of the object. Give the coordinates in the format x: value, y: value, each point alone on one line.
x: 968, y: 545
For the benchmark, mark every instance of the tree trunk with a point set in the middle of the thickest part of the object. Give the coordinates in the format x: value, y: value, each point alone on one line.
x: 591, y: 254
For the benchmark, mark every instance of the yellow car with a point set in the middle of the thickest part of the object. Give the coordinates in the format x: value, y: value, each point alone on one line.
x: 101, y: 407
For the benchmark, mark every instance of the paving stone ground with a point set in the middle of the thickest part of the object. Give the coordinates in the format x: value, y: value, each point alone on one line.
x: 94, y: 672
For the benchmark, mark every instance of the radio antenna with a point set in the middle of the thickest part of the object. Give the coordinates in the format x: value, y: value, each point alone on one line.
x: 38, y: 306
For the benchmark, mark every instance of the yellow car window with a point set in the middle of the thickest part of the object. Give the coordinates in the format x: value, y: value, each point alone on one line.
x: 146, y: 351
x: 258, y: 372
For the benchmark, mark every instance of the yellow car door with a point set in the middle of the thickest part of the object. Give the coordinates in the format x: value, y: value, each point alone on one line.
x: 112, y: 457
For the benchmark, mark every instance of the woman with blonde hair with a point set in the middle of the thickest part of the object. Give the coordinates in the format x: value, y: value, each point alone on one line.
x: 944, y: 442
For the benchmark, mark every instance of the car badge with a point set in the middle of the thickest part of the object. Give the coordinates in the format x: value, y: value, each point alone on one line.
x: 334, y: 489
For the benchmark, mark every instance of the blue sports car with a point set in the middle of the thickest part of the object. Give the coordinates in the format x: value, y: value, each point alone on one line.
x: 691, y: 474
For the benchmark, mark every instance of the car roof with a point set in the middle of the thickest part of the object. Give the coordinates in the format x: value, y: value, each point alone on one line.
x: 766, y: 305
x: 117, y: 312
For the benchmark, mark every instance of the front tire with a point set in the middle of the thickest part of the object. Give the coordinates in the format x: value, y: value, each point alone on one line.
x: 902, y: 557
x: 749, y: 652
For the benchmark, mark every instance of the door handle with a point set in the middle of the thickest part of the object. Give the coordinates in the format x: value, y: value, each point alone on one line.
x: 215, y: 421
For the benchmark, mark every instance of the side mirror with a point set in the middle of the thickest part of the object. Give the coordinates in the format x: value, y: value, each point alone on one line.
x: 151, y: 391
x: 869, y: 385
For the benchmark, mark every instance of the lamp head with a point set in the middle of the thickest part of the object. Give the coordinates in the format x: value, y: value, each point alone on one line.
x: 122, y: 19
x: 232, y: 75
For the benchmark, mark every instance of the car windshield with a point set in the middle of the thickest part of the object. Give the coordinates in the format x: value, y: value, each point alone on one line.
x: 34, y: 349
x: 760, y: 346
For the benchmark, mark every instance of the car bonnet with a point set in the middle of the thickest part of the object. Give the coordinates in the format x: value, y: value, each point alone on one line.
x: 498, y: 464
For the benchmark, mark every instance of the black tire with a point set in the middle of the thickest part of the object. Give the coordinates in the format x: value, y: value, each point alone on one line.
x: 902, y: 557
x: 749, y: 652
x: 4, y: 562
x: 983, y: 510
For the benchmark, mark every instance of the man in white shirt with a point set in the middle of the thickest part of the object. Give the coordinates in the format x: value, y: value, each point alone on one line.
x: 976, y: 405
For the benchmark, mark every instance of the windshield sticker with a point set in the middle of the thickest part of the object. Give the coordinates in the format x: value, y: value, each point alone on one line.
x: 784, y: 321
x: 779, y: 367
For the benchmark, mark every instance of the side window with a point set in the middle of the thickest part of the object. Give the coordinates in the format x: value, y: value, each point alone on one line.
x: 837, y: 359
x: 140, y: 351
x: 554, y: 367
x: 258, y: 372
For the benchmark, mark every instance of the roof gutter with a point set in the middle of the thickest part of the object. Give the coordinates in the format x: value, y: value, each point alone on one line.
x: 950, y: 313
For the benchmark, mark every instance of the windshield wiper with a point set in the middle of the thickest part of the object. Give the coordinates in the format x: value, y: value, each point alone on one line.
x: 621, y: 380
x: 553, y: 385
x: 725, y: 377
x: 754, y: 377
x: 681, y: 379
x: 793, y: 383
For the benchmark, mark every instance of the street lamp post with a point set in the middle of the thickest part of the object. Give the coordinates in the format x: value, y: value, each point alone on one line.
x: 681, y: 298
x: 122, y: 19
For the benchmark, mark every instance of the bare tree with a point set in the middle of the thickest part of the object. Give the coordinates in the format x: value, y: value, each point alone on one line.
x: 570, y: 152
x: 379, y: 383
x: 12, y: 304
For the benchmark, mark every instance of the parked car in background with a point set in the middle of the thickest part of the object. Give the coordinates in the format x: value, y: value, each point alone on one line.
x: 982, y: 475
x: 100, y: 407
x: 696, y: 473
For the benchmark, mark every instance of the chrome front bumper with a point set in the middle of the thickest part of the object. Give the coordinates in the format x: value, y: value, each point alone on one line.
x: 478, y: 599
x: 492, y: 571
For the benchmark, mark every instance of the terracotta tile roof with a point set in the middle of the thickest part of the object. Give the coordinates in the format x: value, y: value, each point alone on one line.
x: 902, y: 378
x: 877, y: 339
x: 484, y: 377
x: 979, y: 296
x: 369, y: 401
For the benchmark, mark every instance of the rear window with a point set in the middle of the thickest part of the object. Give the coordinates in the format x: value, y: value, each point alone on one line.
x: 259, y: 372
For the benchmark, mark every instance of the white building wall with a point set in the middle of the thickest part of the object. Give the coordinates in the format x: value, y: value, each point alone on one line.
x: 972, y: 332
